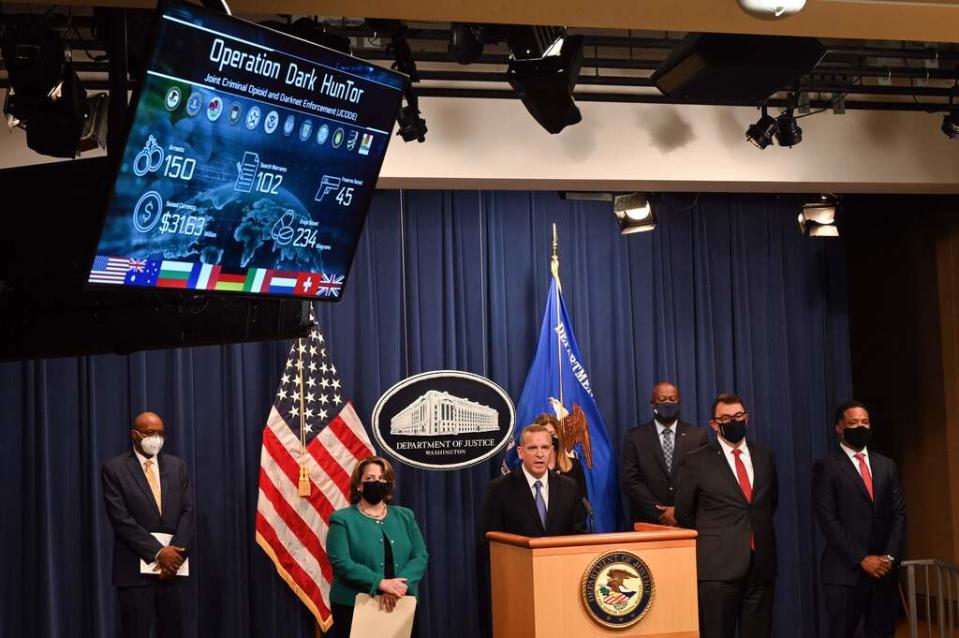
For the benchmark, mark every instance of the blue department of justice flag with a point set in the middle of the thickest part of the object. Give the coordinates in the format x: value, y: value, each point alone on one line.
x: 557, y: 383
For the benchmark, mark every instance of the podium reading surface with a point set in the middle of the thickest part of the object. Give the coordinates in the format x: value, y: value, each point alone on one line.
x: 538, y: 584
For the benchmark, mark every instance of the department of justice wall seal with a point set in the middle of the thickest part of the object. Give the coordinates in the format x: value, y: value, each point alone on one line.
x: 617, y: 589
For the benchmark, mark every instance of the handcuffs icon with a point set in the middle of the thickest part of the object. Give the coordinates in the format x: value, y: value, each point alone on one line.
x: 149, y: 159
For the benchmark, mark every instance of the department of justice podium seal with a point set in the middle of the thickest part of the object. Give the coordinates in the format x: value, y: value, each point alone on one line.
x: 618, y: 589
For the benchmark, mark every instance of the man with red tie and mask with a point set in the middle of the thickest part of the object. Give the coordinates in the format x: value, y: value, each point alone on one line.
x: 728, y: 492
x: 859, y: 505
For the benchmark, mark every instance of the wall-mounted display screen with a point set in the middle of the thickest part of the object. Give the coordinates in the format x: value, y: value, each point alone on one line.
x: 250, y: 162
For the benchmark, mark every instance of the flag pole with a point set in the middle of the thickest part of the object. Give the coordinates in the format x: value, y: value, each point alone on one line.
x: 554, y: 268
x: 303, y: 487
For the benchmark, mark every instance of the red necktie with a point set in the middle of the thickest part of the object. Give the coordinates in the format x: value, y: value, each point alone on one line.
x: 745, y: 487
x: 866, y: 474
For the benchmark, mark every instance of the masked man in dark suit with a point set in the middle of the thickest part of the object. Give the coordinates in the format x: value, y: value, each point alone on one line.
x: 859, y: 505
x: 728, y: 492
x: 530, y: 501
x: 651, y: 455
x: 147, y: 492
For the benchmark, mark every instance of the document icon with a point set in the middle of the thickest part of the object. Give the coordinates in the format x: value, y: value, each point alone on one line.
x: 246, y: 171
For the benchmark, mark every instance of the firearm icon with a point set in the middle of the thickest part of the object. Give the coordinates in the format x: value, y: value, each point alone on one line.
x: 328, y: 185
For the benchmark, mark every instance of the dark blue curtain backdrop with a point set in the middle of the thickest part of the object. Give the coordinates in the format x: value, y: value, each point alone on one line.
x: 725, y: 295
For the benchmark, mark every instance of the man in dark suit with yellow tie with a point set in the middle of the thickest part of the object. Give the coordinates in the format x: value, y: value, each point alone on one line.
x: 146, y: 492
x: 860, y: 508
x: 728, y: 491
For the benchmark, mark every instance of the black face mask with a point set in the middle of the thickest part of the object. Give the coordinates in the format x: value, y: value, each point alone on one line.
x: 556, y: 443
x: 375, y: 491
x: 666, y: 412
x: 857, y: 438
x: 734, y: 431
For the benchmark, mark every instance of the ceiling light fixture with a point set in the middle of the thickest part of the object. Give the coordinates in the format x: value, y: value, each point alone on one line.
x: 772, y: 9
x: 818, y: 219
x: 635, y: 213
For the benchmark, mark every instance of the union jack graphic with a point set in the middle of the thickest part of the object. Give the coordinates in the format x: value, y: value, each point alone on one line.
x: 138, y: 265
x: 329, y: 285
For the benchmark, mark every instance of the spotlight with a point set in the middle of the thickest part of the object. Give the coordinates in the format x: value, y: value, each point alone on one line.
x: 45, y: 95
x: 465, y: 46
x: 950, y: 123
x: 634, y: 212
x: 788, y: 132
x: 761, y: 133
x: 544, y: 78
x: 818, y: 219
x: 412, y: 126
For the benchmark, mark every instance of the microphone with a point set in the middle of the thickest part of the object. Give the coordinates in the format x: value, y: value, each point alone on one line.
x: 590, y: 520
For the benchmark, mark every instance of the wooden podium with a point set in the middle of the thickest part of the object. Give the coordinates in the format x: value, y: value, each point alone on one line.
x: 537, y: 582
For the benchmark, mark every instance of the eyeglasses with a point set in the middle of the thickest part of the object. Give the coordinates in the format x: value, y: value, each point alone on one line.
x: 726, y: 418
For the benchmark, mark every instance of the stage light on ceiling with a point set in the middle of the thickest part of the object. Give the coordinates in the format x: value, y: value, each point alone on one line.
x: 772, y: 9
x: 411, y: 125
x: 950, y: 123
x: 762, y: 132
x: 544, y: 76
x: 818, y: 219
x: 634, y: 212
x: 788, y: 132
x: 45, y: 97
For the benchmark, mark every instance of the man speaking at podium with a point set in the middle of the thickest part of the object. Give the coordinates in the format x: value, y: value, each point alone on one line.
x: 529, y: 501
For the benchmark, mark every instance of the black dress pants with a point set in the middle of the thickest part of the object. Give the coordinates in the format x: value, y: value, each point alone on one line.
x: 874, y: 602
x: 746, y: 603
x: 168, y: 604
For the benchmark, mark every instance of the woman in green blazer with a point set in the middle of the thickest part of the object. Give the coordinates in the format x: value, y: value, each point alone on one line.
x: 375, y: 548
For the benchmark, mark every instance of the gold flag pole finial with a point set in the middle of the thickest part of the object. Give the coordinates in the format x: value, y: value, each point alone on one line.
x: 554, y: 262
x: 303, y: 487
x: 554, y: 268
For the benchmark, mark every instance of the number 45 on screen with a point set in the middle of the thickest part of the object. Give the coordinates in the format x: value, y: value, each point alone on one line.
x: 329, y: 185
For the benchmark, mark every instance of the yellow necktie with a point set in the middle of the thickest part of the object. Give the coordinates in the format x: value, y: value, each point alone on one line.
x: 154, y: 484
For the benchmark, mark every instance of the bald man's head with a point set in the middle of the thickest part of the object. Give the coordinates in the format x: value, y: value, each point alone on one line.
x: 664, y: 391
x: 147, y: 425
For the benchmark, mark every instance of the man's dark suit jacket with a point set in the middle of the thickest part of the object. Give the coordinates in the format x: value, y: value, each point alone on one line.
x: 509, y: 507
x: 853, y: 525
x: 710, y: 500
x: 643, y: 474
x: 134, y: 514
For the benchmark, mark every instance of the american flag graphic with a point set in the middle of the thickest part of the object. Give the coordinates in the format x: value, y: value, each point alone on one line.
x: 109, y: 270
x: 291, y: 528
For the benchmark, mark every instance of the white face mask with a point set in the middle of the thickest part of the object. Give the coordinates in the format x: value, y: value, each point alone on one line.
x: 151, y: 445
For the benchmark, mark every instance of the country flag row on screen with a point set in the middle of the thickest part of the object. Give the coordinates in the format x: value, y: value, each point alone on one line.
x: 165, y: 273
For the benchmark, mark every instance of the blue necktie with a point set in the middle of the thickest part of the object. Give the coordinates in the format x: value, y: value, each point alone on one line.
x: 540, y: 502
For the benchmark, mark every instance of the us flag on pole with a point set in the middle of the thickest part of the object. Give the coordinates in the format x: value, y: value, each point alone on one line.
x: 290, y: 527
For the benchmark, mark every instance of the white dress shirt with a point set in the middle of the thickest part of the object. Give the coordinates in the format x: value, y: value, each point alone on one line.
x: 543, y: 479
x: 851, y: 453
x: 744, y: 457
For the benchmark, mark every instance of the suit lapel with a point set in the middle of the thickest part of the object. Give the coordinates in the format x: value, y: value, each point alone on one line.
x: 719, y: 456
x: 656, y: 444
x: 554, y: 498
x: 845, y: 463
x: 136, y: 470
x: 758, y: 459
x: 681, y: 446
x: 166, y: 481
